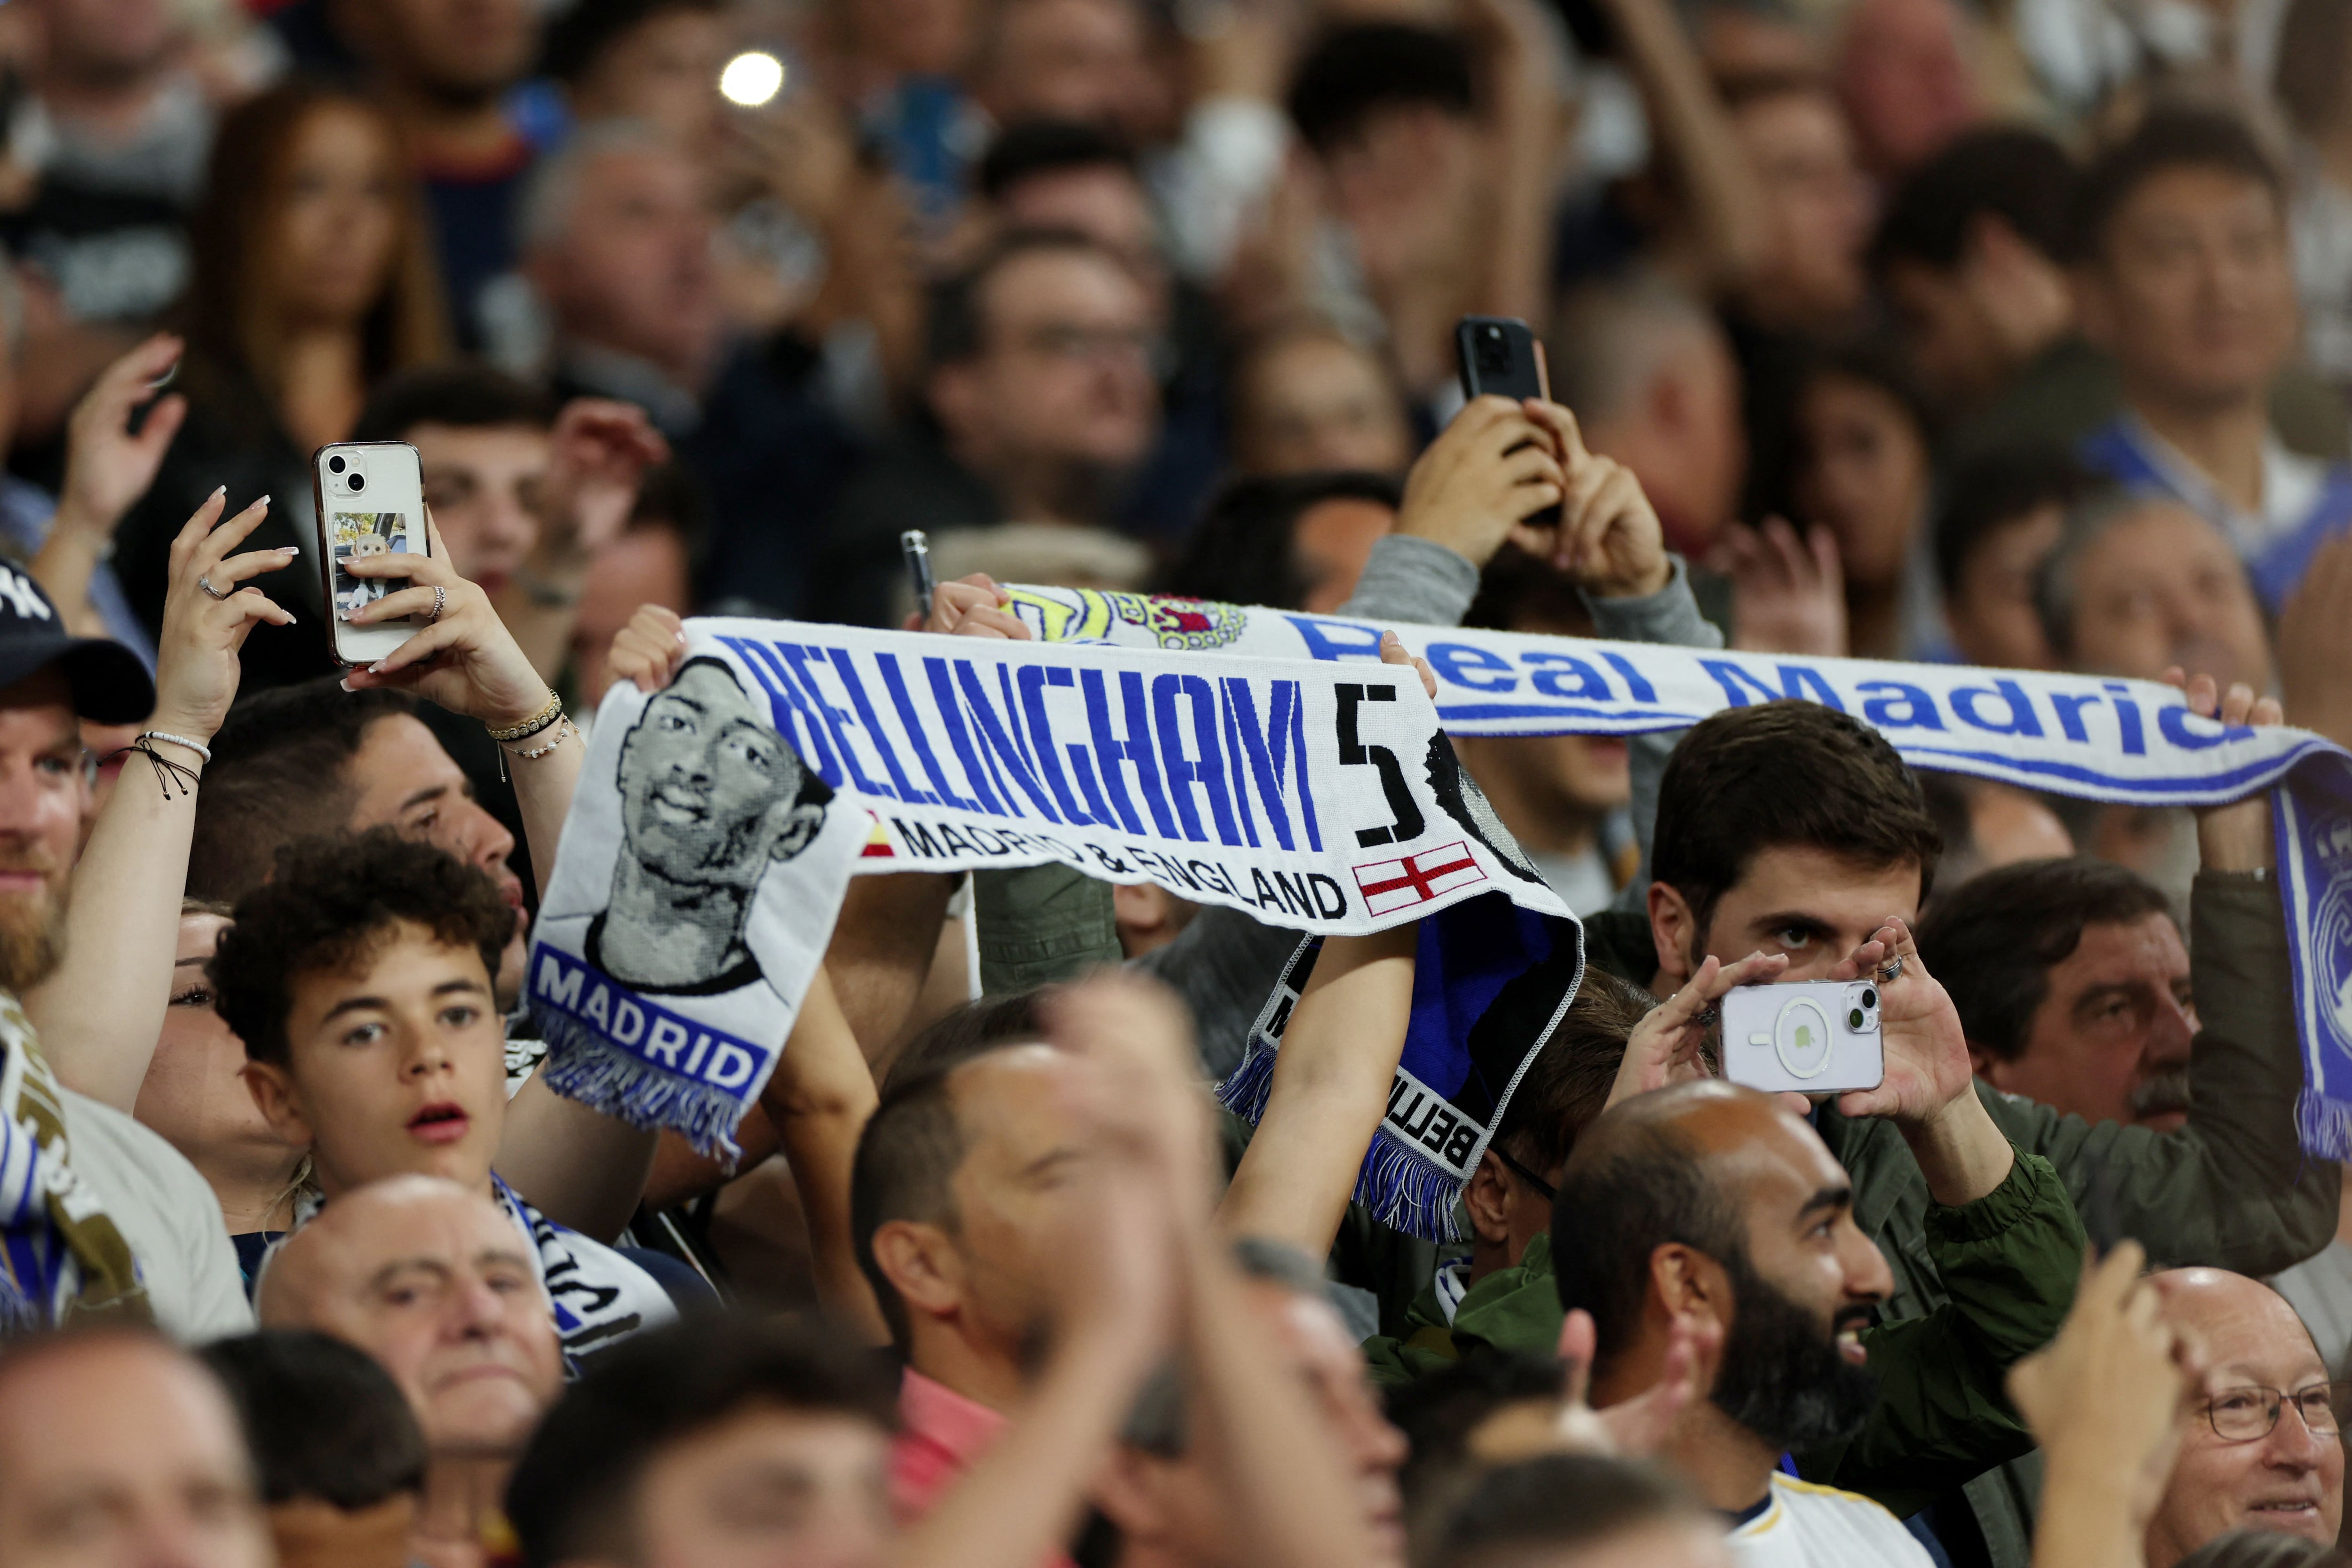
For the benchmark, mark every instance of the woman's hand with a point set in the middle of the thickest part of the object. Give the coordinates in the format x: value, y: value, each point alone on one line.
x: 648, y: 650
x: 1788, y: 594
x: 1609, y: 539
x: 1665, y: 1045
x: 108, y: 467
x: 466, y: 660
x: 196, y: 665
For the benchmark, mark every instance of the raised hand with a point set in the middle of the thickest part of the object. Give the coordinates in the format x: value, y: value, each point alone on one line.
x: 598, y: 455
x: 648, y: 650
x: 466, y: 660
x: 972, y: 607
x: 1926, y: 1055
x: 2236, y: 835
x: 1665, y: 1045
x: 109, y: 467
x: 2315, y: 644
x: 1609, y: 539
x: 1788, y: 594
x: 1486, y: 473
x: 1393, y: 651
x: 2106, y: 1400
x: 209, y: 609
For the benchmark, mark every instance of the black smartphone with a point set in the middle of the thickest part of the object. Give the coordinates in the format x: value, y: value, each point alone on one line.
x: 1500, y: 354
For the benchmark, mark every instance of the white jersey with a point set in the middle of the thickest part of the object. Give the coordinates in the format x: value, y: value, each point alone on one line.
x: 1808, y: 1526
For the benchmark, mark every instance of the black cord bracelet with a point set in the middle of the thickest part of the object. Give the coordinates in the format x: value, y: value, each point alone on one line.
x: 167, y: 772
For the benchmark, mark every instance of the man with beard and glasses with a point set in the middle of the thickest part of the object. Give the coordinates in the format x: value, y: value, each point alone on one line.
x: 1714, y: 1202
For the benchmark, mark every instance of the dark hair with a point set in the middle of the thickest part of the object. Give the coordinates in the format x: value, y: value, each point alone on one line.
x: 1785, y: 774
x: 1028, y: 148
x: 2021, y: 178
x: 232, y: 350
x: 1439, y: 1413
x: 1520, y: 592
x: 958, y: 330
x: 1996, y: 489
x: 331, y: 900
x: 1993, y: 940
x: 1356, y: 71
x: 1242, y: 549
x: 1619, y: 1203
x: 2175, y: 136
x: 277, y: 775
x: 911, y: 1145
x: 1555, y: 1503
x: 323, y: 1420
x: 573, y: 1494
x: 581, y: 33
x: 464, y: 393
x: 2314, y: 41
x: 1564, y: 1088
x: 1876, y: 360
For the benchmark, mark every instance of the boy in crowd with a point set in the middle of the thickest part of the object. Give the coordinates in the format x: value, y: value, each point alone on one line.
x: 361, y: 980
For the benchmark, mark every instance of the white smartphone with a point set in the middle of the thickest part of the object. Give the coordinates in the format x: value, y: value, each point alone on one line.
x: 370, y: 499
x: 1814, y: 1037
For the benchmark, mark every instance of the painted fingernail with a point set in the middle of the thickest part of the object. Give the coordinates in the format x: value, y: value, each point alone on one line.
x: 263, y: 502
x: 345, y: 683
x: 218, y: 490
x: 377, y: 668
x: 289, y: 618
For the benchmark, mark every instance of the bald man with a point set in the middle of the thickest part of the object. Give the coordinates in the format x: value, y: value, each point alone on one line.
x: 435, y: 1282
x: 2263, y: 1452
x: 117, y: 1447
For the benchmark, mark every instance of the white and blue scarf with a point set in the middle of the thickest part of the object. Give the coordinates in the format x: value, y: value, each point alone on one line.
x: 2124, y: 742
x: 716, y: 824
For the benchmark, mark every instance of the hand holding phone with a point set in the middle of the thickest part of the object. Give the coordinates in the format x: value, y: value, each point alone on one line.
x: 1808, y: 1037
x: 370, y: 501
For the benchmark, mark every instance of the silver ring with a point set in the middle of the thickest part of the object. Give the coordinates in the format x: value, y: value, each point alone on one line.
x: 1888, y: 972
x: 206, y: 584
x: 440, y: 603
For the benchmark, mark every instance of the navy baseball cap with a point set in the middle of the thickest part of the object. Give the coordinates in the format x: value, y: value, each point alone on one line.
x: 109, y: 685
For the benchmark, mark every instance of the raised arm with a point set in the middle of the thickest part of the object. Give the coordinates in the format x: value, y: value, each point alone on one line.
x: 101, y: 1013
x: 2233, y: 1188
x: 108, y: 469
x: 1330, y: 1089
x: 818, y: 1100
x: 601, y: 451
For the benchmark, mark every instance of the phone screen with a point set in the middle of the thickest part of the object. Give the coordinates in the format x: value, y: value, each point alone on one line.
x: 355, y: 533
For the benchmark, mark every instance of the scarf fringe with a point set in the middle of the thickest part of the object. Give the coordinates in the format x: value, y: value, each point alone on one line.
x: 1245, y: 1088
x: 2324, y: 1124
x: 583, y: 1064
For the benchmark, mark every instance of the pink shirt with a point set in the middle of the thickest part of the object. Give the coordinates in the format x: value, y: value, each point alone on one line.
x: 941, y: 1434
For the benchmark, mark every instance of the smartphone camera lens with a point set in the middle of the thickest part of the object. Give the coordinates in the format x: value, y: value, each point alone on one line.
x: 335, y: 465
x: 1494, y: 353
x: 1870, y: 999
x: 359, y: 482
x: 1853, y: 1019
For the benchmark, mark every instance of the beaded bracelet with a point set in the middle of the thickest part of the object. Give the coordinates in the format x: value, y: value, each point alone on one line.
x: 564, y: 732
x: 534, y: 724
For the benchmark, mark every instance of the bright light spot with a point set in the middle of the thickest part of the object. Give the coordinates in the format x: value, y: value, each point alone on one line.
x: 752, y: 78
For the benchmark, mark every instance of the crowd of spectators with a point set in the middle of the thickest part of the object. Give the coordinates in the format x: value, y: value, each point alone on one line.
x: 2015, y: 335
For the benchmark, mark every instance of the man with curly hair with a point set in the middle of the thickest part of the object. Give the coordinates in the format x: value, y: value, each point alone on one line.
x: 360, y: 979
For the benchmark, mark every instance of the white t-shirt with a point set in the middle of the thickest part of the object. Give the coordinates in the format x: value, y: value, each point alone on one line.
x: 168, y: 1215
x: 1808, y: 1526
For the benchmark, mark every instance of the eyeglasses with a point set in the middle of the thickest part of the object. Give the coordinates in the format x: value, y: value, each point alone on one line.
x: 2248, y: 1415
x: 1544, y: 1189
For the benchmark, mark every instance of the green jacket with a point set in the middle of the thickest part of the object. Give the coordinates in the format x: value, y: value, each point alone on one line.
x: 2006, y: 1264
x: 2232, y: 1189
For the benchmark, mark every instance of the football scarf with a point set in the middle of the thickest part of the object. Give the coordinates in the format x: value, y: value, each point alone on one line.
x: 716, y: 824
x: 61, y: 1257
x: 2126, y: 742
